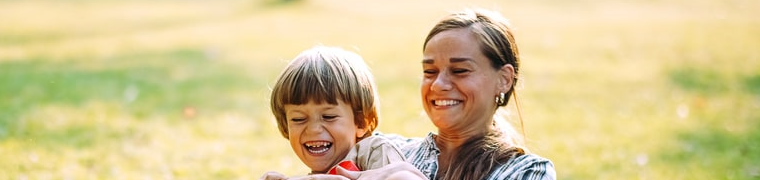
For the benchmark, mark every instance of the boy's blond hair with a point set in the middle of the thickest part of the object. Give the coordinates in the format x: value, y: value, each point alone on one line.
x: 325, y: 74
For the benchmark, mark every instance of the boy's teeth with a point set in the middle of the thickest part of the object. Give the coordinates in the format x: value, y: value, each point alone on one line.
x: 317, y: 151
x: 317, y: 144
x: 318, y: 147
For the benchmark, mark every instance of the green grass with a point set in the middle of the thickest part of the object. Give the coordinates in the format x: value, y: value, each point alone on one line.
x: 180, y: 89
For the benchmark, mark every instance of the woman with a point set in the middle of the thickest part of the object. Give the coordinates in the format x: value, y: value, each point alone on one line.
x: 470, y: 67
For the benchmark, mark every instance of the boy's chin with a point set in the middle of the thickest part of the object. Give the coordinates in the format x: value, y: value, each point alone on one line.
x: 319, y: 169
x: 318, y: 172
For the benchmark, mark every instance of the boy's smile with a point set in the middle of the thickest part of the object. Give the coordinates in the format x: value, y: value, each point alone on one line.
x: 321, y: 134
x: 317, y: 147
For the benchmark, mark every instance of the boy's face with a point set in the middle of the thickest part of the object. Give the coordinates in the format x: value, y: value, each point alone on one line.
x: 321, y: 134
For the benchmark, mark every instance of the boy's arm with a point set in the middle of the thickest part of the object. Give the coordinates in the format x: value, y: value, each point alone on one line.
x: 376, y: 151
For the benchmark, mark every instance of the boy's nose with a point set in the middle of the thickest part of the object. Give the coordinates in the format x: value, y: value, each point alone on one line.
x: 314, y: 126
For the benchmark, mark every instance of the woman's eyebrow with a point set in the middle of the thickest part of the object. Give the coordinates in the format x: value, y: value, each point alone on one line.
x: 451, y: 60
x: 459, y: 59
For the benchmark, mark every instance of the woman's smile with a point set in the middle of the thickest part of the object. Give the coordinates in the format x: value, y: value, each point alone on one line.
x: 447, y: 102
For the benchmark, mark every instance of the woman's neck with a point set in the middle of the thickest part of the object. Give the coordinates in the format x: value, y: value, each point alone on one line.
x: 450, y: 141
x: 449, y: 144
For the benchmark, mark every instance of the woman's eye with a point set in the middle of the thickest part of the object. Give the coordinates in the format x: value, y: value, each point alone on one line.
x: 459, y: 71
x: 297, y: 119
x: 429, y: 73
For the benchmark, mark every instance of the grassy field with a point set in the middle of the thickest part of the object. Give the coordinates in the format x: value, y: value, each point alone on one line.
x: 179, y: 89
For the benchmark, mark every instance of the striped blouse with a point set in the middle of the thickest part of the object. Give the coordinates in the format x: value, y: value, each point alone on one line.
x: 423, y: 154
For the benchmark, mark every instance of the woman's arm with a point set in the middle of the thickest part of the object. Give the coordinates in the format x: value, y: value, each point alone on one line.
x: 271, y: 175
x: 398, y: 170
x: 393, y: 171
x: 527, y: 167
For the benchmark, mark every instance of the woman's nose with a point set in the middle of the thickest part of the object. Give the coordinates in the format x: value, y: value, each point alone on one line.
x: 442, y: 82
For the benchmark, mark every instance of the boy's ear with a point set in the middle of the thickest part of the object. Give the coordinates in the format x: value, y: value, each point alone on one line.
x: 360, y: 132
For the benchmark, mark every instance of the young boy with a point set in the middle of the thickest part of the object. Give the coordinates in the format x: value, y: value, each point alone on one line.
x: 325, y: 103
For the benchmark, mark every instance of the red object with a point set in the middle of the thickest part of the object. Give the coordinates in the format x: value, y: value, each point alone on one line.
x: 348, y: 165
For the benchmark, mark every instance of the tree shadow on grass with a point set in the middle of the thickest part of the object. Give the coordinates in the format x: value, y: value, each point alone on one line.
x: 715, y: 145
x: 752, y: 85
x: 727, y: 155
x: 698, y: 80
x: 142, y: 84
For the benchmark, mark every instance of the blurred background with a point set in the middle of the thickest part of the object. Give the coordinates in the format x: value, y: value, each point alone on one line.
x: 179, y: 89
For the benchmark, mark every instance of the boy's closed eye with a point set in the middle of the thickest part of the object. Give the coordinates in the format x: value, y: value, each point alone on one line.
x: 329, y: 117
x: 297, y: 119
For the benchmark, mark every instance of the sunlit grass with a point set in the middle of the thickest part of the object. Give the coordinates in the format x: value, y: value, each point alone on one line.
x: 179, y: 90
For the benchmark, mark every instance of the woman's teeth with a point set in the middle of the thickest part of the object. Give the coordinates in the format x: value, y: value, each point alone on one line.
x: 445, y: 102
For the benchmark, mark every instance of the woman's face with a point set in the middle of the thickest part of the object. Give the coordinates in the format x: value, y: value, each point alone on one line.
x: 459, y: 84
x: 321, y: 134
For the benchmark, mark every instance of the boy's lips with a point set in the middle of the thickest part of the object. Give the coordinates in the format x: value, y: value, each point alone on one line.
x: 317, y: 147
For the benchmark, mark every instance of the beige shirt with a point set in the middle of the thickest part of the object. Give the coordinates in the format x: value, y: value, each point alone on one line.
x: 374, y: 152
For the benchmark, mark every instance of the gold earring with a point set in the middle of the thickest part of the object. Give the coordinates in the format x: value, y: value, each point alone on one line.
x: 501, y: 99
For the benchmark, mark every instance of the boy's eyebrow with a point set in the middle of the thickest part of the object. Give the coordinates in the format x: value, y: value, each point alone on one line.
x: 329, y: 107
x: 293, y: 111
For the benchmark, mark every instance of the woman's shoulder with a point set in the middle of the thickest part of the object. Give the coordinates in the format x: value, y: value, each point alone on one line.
x: 397, y: 140
x: 528, y: 166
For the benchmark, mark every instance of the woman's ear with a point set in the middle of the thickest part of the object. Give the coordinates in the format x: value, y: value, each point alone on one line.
x: 507, y: 73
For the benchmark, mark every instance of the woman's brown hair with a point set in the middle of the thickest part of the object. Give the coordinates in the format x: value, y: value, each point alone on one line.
x: 477, y: 157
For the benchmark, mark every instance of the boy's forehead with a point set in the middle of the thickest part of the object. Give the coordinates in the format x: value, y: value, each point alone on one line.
x: 311, y: 105
x: 314, y: 98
